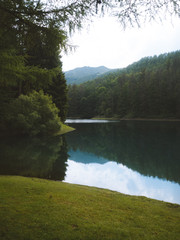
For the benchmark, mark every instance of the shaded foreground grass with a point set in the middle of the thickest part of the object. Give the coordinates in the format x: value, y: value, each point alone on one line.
x: 32, y: 208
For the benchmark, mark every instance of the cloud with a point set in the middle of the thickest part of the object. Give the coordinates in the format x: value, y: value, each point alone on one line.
x: 119, y: 178
x: 105, y: 43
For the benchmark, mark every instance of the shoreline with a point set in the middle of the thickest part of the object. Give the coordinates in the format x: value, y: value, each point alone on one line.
x: 140, y: 119
x: 129, y: 119
x: 64, y: 130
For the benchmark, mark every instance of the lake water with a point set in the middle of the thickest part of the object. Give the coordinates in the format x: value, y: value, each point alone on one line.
x: 131, y: 157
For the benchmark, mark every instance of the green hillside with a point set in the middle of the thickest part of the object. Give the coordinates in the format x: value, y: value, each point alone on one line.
x: 149, y: 88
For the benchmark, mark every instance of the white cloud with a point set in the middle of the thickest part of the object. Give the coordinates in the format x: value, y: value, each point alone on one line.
x: 105, y: 43
x: 119, y: 178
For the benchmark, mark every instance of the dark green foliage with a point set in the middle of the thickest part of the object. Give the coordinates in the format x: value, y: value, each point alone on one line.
x: 58, y: 91
x: 33, y: 114
x: 30, y: 45
x: 149, y: 88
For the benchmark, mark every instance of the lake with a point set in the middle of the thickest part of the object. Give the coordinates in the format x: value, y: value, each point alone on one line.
x: 132, y: 157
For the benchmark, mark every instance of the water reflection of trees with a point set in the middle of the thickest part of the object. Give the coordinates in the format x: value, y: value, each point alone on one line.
x: 43, y: 158
x: 151, y: 148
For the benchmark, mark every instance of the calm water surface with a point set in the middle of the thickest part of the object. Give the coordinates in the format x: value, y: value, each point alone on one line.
x: 131, y: 157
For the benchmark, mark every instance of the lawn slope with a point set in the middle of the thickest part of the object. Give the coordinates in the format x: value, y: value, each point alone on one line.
x: 65, y: 129
x: 32, y: 208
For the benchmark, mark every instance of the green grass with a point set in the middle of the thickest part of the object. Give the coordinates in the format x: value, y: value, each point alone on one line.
x: 65, y: 129
x: 32, y: 208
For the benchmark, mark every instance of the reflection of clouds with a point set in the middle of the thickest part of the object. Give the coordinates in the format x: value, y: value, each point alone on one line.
x: 119, y: 178
x: 88, y: 121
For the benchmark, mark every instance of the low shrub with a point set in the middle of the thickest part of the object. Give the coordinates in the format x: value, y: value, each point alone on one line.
x: 33, y: 114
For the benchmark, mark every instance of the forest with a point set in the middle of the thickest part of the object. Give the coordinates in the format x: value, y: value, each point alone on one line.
x: 149, y: 88
x: 33, y: 89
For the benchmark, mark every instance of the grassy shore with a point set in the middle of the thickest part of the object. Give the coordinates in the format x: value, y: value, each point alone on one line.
x: 32, y: 209
x: 65, y: 129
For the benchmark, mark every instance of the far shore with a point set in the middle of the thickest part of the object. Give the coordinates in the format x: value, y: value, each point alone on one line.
x: 141, y: 119
x: 130, y: 119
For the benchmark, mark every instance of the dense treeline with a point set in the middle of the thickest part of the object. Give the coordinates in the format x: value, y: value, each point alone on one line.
x: 148, y: 88
x: 30, y: 65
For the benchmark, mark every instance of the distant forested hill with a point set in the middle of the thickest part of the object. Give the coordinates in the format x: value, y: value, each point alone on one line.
x: 84, y: 74
x: 149, y: 88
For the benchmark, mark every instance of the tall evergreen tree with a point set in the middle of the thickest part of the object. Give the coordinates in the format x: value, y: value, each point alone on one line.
x: 30, y: 47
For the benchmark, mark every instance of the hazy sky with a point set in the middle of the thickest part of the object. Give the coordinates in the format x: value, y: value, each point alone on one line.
x: 106, y: 43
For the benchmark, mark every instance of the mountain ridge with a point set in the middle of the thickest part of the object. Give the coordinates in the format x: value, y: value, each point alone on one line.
x: 83, y: 74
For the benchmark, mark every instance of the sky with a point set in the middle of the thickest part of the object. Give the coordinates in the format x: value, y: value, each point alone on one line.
x: 105, y: 43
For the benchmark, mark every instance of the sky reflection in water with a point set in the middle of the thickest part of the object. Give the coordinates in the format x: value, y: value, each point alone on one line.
x: 131, y: 157
x: 88, y: 121
x: 118, y: 177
